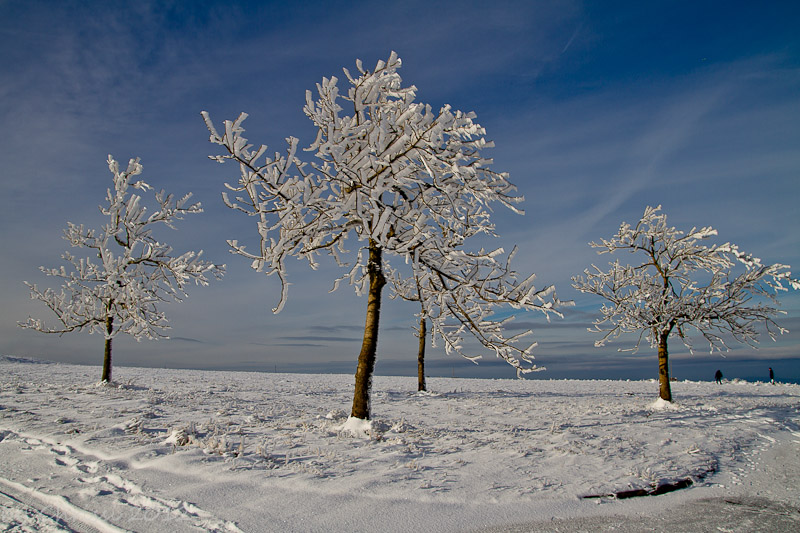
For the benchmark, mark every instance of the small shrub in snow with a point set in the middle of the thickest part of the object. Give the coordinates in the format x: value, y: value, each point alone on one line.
x: 210, y: 438
x: 335, y: 414
x: 181, y: 436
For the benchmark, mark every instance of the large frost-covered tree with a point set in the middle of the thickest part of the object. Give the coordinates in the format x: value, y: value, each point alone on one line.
x: 682, y: 286
x: 402, y: 180
x: 118, y: 287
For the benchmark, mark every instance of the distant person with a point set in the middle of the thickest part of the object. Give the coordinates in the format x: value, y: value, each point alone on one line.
x: 718, y: 376
x: 771, y: 376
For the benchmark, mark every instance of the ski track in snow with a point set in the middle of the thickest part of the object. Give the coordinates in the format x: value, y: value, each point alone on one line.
x: 108, y: 495
x: 223, y: 451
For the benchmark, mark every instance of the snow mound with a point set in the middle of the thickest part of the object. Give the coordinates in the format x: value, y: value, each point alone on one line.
x: 663, y: 405
x: 333, y: 414
x: 355, y: 427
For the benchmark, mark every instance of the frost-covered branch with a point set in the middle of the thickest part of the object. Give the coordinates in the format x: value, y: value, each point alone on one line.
x: 462, y: 293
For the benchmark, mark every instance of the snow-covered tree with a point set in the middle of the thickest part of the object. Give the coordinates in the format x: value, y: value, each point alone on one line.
x: 404, y: 181
x: 681, y: 286
x: 117, y: 288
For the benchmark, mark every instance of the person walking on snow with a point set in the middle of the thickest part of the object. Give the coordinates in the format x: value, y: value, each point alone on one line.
x: 771, y: 376
x: 718, y: 376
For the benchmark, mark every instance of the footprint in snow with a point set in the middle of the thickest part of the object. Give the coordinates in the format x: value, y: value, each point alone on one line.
x: 66, y: 461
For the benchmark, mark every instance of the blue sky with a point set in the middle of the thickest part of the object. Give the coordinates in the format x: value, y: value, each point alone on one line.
x: 597, y: 109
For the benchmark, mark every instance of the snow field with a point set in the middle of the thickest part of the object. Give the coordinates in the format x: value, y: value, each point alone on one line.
x: 226, y: 451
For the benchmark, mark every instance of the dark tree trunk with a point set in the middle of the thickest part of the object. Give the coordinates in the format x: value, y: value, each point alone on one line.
x: 665, y: 392
x: 107, y: 355
x: 369, y: 346
x: 421, y: 355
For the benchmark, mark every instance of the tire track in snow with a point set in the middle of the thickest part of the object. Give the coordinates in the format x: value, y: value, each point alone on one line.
x: 137, y: 504
x: 57, y: 508
x: 16, y: 514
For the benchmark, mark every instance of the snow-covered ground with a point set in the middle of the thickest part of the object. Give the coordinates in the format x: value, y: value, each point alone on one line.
x: 184, y: 450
